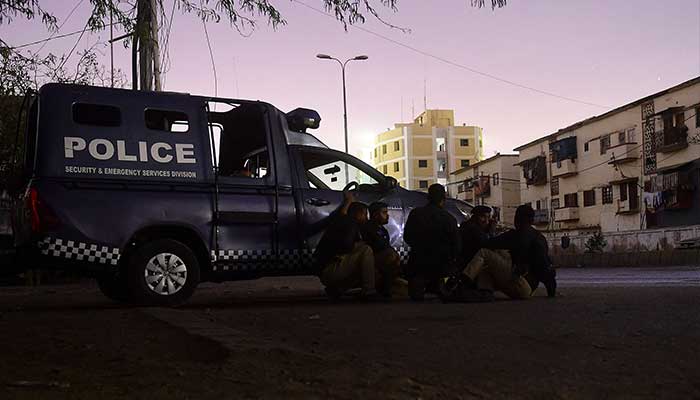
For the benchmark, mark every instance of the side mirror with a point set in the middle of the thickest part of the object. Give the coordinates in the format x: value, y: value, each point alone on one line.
x: 332, y: 170
x: 391, y: 183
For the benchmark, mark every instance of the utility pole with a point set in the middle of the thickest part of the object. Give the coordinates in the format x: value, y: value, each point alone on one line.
x: 146, y: 36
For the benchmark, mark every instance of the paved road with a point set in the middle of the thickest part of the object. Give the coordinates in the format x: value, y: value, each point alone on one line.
x: 613, y: 333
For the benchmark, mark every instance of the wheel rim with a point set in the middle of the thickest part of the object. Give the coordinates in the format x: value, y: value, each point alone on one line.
x: 165, y: 274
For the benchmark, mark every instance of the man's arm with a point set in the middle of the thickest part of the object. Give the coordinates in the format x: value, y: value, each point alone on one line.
x: 410, y: 235
x: 505, y: 241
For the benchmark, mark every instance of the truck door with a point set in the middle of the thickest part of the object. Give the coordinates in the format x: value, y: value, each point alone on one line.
x: 323, y: 173
x: 247, y: 199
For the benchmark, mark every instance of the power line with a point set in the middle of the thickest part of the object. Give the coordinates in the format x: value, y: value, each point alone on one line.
x: 65, y: 20
x: 73, y: 49
x: 455, y: 64
x: 54, y: 38
x: 211, y: 56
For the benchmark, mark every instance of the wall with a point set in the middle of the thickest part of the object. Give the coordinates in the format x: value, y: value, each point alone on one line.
x: 647, y: 247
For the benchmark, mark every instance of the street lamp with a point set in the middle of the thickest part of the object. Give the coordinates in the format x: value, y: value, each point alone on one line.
x: 345, y: 105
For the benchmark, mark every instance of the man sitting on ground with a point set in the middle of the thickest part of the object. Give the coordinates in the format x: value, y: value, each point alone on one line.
x: 433, y: 236
x: 386, y: 260
x: 516, y: 273
x: 342, y: 260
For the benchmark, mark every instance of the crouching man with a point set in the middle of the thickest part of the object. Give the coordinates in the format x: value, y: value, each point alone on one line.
x: 342, y: 260
x: 514, y: 263
x: 386, y: 260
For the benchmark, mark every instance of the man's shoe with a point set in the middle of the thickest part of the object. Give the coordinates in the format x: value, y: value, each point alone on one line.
x: 551, y: 285
x: 333, y: 294
x: 416, y: 288
x: 463, y: 295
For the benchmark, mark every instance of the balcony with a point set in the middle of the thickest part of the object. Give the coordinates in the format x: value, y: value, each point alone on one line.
x: 564, y: 168
x: 624, y: 152
x: 566, y: 214
x: 541, y: 217
x: 673, y: 139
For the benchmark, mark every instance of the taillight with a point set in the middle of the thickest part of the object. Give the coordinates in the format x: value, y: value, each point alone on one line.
x: 42, y: 217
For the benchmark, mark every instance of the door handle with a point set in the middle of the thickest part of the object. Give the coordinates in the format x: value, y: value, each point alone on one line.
x: 318, y: 202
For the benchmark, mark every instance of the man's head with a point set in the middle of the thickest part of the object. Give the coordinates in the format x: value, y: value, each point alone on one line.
x: 379, y: 213
x: 524, y: 216
x: 358, y: 212
x: 481, y: 215
x: 436, y: 194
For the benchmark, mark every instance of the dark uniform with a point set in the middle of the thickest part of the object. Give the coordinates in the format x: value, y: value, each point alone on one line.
x: 473, y: 239
x: 433, y: 236
x: 376, y: 236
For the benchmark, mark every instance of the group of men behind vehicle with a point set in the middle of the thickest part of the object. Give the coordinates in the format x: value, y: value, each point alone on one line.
x: 459, y: 264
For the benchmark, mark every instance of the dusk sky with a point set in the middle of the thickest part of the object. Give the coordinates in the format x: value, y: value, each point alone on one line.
x: 600, y: 52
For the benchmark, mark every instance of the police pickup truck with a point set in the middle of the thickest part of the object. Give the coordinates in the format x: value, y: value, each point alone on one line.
x: 155, y: 192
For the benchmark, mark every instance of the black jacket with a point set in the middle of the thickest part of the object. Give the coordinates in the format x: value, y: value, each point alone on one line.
x: 338, y: 239
x: 528, y: 249
x: 376, y: 236
x: 433, y: 236
x: 473, y: 239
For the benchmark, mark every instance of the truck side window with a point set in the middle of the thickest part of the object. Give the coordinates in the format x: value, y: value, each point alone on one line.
x: 96, y: 114
x: 239, y: 142
x: 165, y: 120
x: 327, y: 171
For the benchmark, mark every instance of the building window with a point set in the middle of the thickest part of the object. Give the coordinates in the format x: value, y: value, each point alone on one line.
x: 538, y: 205
x: 697, y: 117
x: 589, y: 198
x: 631, y: 136
x: 423, y: 184
x: 464, y: 142
x: 621, y: 137
x: 555, y: 203
x: 384, y: 169
x: 607, y: 195
x: 604, y: 143
x: 464, y: 163
x: 383, y: 149
x: 496, y: 179
x: 585, y: 147
x: 422, y: 163
x: 396, y: 146
x: 396, y: 167
x: 481, y: 143
x: 623, y: 192
x: 555, y: 186
x: 375, y: 152
x: 571, y: 200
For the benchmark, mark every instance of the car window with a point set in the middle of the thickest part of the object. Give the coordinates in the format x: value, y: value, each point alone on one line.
x: 329, y: 171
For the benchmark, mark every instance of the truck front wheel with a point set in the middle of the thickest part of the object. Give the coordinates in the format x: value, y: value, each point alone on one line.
x: 163, y: 272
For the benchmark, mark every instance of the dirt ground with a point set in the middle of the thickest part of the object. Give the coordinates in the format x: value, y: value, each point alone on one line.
x: 281, y: 338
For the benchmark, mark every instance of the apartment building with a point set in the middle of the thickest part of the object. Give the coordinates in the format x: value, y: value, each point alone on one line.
x: 494, y: 181
x: 634, y: 167
x: 426, y: 150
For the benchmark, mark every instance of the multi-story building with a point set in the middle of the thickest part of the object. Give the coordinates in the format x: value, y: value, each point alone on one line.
x: 494, y: 181
x: 634, y: 167
x: 425, y: 151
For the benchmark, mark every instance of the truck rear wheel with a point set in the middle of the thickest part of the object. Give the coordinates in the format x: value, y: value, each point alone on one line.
x: 163, y: 272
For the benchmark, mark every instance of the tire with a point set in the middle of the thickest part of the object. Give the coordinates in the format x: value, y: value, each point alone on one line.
x: 163, y: 272
x: 114, y: 286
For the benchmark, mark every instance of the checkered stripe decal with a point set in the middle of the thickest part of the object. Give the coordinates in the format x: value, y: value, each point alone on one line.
x: 260, y: 260
x: 403, y: 253
x: 78, y: 251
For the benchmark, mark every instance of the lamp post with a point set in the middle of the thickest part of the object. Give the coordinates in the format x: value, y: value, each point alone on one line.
x: 345, y: 105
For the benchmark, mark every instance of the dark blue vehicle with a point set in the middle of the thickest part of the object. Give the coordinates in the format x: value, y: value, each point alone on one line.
x: 155, y: 192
